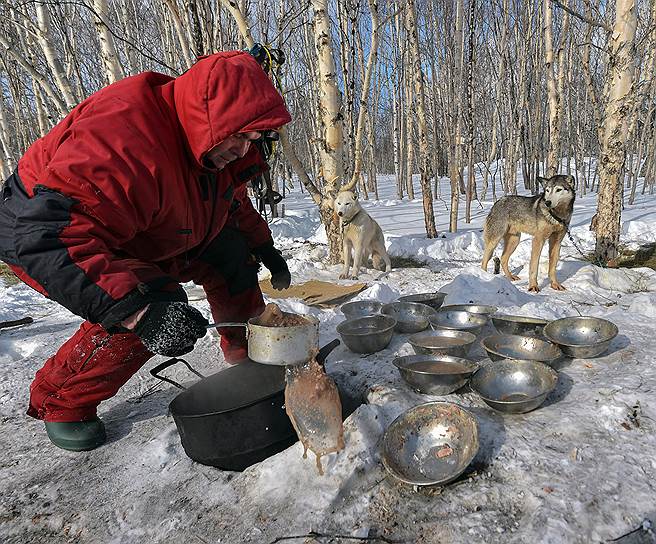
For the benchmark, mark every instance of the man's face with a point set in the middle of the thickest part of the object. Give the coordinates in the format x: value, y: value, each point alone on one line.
x: 232, y: 148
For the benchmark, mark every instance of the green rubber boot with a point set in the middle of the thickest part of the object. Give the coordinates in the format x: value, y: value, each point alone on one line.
x: 77, y: 435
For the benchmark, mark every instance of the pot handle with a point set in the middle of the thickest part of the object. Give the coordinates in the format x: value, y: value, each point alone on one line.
x: 166, y: 364
x: 228, y: 324
x: 325, y: 351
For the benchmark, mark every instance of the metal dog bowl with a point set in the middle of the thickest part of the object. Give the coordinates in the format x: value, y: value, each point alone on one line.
x: 442, y: 342
x: 367, y: 334
x: 518, y: 324
x: 410, y: 316
x: 581, y: 337
x: 458, y: 320
x: 361, y: 308
x: 514, y: 346
x: 430, y: 444
x: 514, y: 386
x: 472, y: 308
x: 434, y: 300
x: 435, y: 374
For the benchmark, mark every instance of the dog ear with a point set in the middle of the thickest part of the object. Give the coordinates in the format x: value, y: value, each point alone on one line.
x: 571, y: 181
x: 542, y: 181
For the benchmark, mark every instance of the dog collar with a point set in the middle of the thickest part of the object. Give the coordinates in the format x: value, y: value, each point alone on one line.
x: 346, y: 223
x: 550, y: 216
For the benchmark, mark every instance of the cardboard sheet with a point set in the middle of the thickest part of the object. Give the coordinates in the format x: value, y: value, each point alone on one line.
x: 321, y: 294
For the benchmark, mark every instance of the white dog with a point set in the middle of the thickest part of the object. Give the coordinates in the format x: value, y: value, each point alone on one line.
x: 361, y: 235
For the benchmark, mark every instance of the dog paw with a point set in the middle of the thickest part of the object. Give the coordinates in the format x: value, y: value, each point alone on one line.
x: 353, y: 277
x: 513, y: 277
x: 343, y: 276
x: 557, y: 286
x: 533, y: 289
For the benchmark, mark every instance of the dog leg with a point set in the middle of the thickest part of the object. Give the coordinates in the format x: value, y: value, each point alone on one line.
x: 554, y: 256
x: 358, y: 254
x: 346, y: 247
x: 536, y: 250
x: 510, y: 243
x: 491, y: 244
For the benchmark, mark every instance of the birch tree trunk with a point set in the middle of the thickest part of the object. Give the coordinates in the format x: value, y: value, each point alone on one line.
x: 113, y: 70
x: 424, y: 156
x: 46, y: 41
x: 613, y: 145
x: 331, y: 117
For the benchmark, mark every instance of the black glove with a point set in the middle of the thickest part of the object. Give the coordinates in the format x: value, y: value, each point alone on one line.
x: 171, y: 328
x: 274, y: 261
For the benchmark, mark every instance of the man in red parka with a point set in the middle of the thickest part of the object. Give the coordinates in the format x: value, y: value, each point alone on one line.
x: 141, y: 187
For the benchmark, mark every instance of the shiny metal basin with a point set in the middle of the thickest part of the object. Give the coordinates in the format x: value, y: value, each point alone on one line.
x: 434, y: 300
x: 367, y: 334
x: 582, y: 337
x: 430, y: 444
x: 410, y: 316
x: 472, y: 308
x: 361, y: 308
x: 435, y: 374
x: 518, y: 324
x: 514, y: 346
x: 514, y: 386
x: 458, y: 320
x: 442, y: 342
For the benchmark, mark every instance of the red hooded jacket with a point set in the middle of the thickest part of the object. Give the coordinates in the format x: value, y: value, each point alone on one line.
x: 119, y: 185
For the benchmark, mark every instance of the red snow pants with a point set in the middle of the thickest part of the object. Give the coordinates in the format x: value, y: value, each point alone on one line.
x: 94, y: 364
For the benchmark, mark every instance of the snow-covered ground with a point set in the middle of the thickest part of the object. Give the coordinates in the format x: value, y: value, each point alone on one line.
x: 581, y: 468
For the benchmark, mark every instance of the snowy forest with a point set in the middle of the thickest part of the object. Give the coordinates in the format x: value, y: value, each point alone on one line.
x: 437, y: 87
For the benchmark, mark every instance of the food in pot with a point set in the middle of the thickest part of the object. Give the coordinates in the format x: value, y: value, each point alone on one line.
x: 273, y: 316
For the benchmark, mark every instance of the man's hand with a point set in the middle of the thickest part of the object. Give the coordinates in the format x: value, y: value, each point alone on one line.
x: 274, y: 261
x: 171, y: 328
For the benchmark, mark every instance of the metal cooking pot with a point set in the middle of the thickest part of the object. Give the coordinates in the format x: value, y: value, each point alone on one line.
x: 280, y: 346
x: 235, y: 417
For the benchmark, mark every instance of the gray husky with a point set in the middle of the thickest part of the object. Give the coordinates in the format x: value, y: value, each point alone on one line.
x: 545, y: 217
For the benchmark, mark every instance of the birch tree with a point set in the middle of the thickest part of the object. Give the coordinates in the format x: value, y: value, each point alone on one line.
x: 614, y: 130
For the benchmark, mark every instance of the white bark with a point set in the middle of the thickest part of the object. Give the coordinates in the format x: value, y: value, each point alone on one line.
x: 113, y: 70
x: 615, y: 125
x: 46, y: 41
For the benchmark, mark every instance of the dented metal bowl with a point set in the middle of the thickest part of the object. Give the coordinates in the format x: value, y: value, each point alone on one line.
x: 410, y: 316
x: 514, y: 346
x: 434, y: 299
x: 458, y: 320
x: 430, y: 444
x: 442, y: 342
x: 518, y: 324
x: 367, y: 334
x: 514, y: 386
x: 435, y: 374
x: 582, y: 337
x: 361, y: 308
